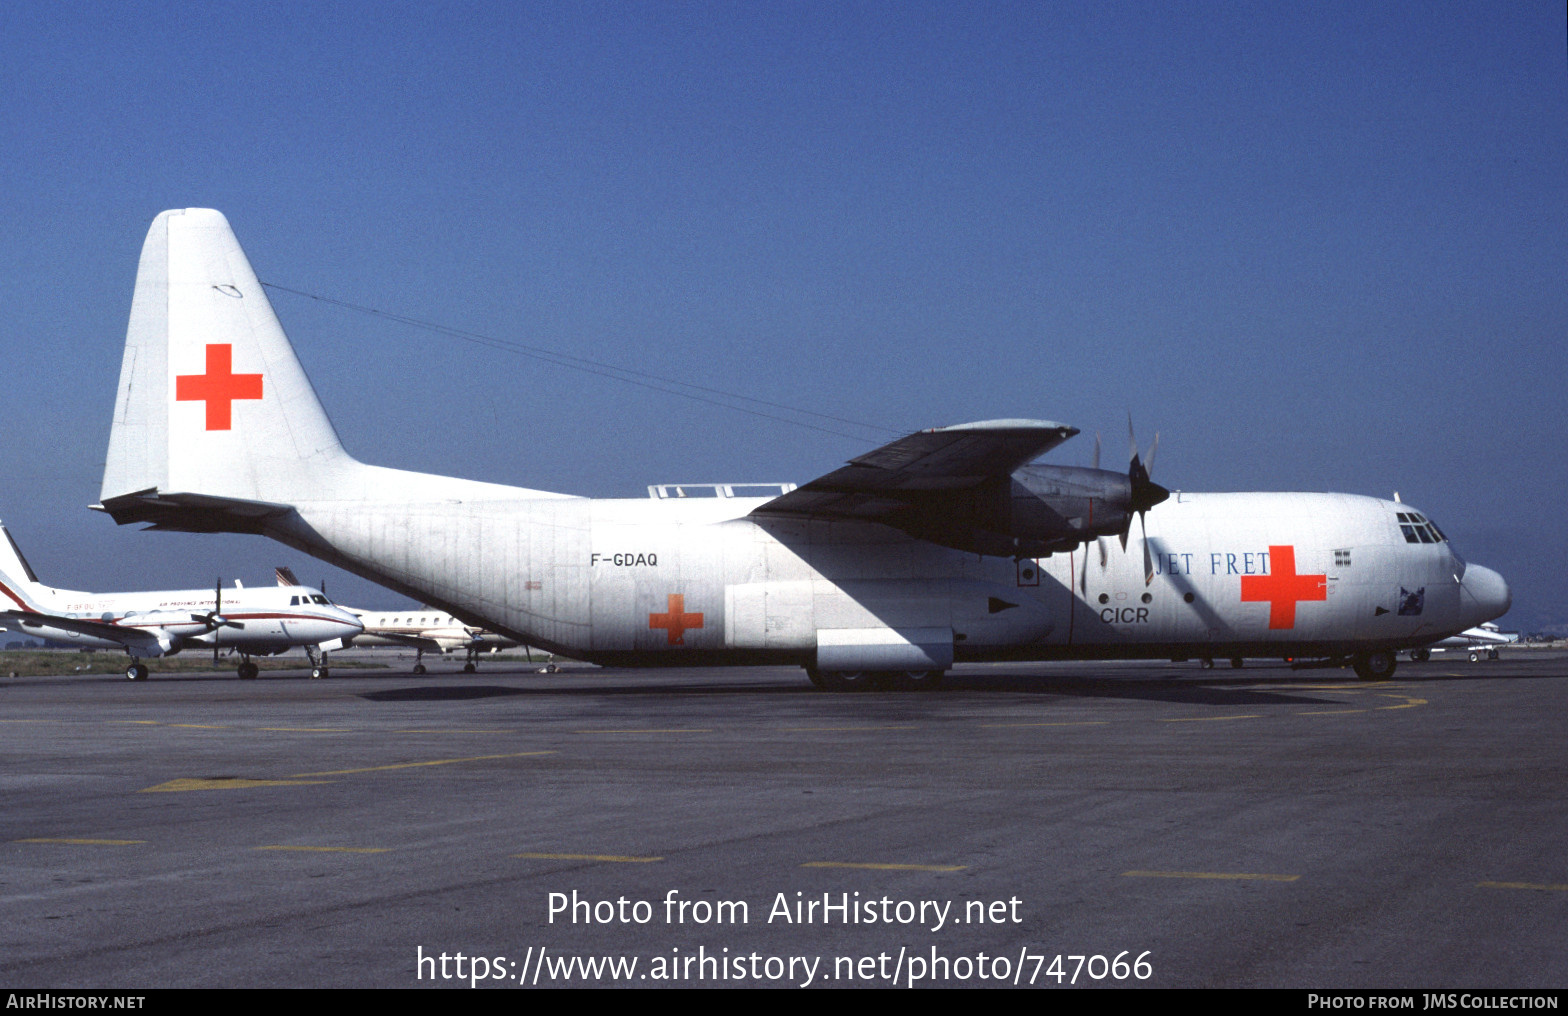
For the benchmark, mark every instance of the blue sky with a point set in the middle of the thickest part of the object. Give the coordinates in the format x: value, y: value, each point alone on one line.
x: 1319, y: 247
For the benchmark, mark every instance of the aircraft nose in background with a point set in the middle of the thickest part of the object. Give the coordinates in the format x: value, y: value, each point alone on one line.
x: 1484, y: 595
x: 350, y: 624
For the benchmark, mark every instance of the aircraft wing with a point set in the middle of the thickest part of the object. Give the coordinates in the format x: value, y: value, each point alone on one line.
x: 137, y: 640
x: 381, y: 638
x: 920, y: 473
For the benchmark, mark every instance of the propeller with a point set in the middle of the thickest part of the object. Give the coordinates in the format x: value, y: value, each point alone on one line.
x: 1145, y: 494
x: 214, y: 618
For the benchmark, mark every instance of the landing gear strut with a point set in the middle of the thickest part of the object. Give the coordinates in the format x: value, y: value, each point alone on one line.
x: 318, y: 663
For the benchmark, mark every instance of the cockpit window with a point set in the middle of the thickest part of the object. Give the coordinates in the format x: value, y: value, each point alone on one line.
x: 1417, y: 529
x: 318, y: 598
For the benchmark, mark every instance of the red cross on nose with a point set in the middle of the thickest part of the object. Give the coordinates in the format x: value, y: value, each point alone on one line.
x: 675, y: 621
x: 1282, y: 587
x: 219, y: 387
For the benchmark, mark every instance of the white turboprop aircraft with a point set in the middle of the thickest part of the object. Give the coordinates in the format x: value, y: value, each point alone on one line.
x: 943, y: 546
x: 252, y: 622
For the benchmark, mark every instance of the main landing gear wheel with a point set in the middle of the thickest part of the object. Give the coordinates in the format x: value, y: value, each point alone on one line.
x: 1491, y: 654
x: 419, y: 668
x: 915, y: 680
x: 136, y: 672
x: 1375, y: 666
x: 840, y: 680
x: 1235, y: 663
x: 1420, y: 655
x: 1474, y: 656
x: 469, y: 668
x: 247, y: 671
x: 319, y: 673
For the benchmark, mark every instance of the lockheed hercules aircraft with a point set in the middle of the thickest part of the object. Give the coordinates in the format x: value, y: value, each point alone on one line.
x: 251, y: 622
x: 944, y: 546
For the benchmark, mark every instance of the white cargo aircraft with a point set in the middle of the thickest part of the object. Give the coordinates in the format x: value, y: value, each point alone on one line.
x: 943, y: 546
x: 251, y: 622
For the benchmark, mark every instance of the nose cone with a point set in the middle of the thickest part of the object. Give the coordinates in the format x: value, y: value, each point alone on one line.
x: 351, y: 623
x: 1483, y: 595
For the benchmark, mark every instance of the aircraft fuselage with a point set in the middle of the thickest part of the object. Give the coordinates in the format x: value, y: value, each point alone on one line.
x: 647, y: 582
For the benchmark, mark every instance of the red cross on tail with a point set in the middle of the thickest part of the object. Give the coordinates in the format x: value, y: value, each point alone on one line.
x: 676, y: 621
x: 219, y: 387
x: 1282, y: 587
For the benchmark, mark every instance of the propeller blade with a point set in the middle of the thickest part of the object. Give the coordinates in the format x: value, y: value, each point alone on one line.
x: 1148, y: 562
x: 1096, y: 462
x: 217, y: 613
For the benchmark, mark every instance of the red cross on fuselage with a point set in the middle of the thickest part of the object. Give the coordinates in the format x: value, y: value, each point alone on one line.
x: 1282, y: 587
x: 219, y: 387
x: 675, y: 621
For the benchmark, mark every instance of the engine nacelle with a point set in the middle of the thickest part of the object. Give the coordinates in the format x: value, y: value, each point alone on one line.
x: 1037, y: 511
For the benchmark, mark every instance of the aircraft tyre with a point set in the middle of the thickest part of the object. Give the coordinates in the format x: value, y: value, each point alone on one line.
x: 469, y: 668
x: 1474, y: 656
x: 247, y: 671
x: 1420, y: 655
x: 815, y: 676
x: 1375, y: 666
x: 1491, y: 654
x: 318, y: 673
x: 1235, y: 663
x: 136, y: 672
x: 845, y: 680
x: 915, y: 680
x: 419, y: 668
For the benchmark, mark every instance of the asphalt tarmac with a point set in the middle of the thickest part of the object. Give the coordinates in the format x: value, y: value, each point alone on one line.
x: 1029, y: 824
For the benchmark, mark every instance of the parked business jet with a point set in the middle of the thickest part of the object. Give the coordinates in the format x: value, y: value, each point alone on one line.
x: 943, y: 546
x: 1482, y: 640
x: 426, y: 630
x: 251, y: 622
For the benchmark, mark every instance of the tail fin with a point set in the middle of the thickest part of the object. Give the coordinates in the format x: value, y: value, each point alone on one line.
x: 212, y: 399
x: 19, y: 587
